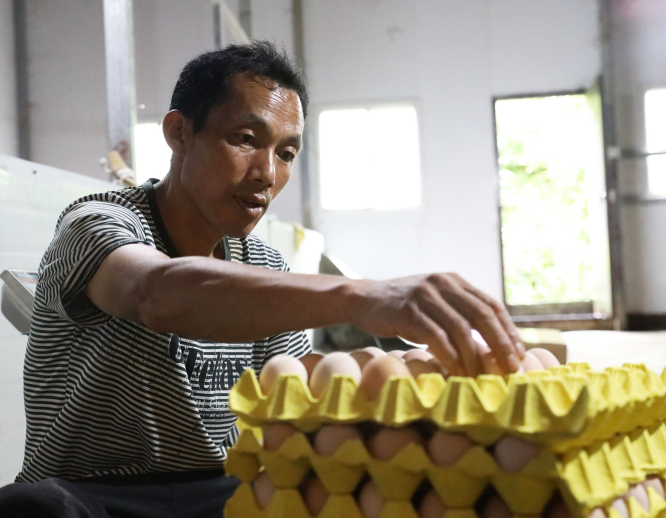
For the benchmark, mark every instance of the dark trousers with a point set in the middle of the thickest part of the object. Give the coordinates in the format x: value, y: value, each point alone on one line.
x: 200, y: 494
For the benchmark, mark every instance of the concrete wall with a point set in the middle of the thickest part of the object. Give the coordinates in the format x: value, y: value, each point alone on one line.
x: 450, y: 57
x: 8, y: 133
x: 67, y: 80
x: 639, y: 52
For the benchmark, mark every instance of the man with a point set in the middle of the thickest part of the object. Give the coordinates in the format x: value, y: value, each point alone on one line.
x: 151, y: 301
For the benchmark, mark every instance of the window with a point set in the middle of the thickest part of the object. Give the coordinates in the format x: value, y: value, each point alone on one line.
x: 655, y: 139
x: 152, y: 154
x: 369, y: 158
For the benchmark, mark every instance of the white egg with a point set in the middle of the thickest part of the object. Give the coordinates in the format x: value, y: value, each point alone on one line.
x: 546, y: 358
x: 277, y: 365
x: 417, y: 354
x: 638, y: 492
x: 597, y: 512
x: 656, y: 484
x: 396, y: 354
x: 513, y: 454
x: 531, y: 363
x: 621, y: 507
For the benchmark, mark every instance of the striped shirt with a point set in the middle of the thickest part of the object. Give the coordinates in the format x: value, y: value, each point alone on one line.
x: 105, y: 395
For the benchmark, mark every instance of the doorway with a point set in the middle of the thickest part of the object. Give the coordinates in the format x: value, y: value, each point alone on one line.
x: 554, y: 226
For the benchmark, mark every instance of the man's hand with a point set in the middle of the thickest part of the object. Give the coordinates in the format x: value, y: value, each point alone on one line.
x: 440, y: 310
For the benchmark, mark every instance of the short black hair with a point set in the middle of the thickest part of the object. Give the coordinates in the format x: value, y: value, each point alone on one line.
x: 204, y: 81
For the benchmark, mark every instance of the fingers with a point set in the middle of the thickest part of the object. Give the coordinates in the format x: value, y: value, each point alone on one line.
x: 458, y: 330
x: 426, y: 331
x: 500, y: 311
x: 482, y: 316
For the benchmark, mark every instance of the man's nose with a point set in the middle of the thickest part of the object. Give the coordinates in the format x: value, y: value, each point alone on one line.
x: 263, y: 166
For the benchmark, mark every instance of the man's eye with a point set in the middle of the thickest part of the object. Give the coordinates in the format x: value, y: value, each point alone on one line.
x: 246, y: 138
x: 287, y: 156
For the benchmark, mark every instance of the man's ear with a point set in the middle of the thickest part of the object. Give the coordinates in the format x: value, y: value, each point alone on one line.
x: 177, y: 131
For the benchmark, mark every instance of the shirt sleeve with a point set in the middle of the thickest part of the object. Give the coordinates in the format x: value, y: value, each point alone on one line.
x: 86, y: 233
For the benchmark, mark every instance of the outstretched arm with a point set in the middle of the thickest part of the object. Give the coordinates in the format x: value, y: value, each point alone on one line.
x: 217, y: 300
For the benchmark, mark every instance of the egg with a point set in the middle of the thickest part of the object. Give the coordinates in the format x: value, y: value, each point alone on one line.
x: 396, y: 354
x: 656, y: 484
x: 546, y: 358
x: 361, y: 357
x: 330, y: 437
x: 638, y: 492
x: 557, y: 509
x: 376, y: 373
x: 432, y: 505
x: 334, y: 363
x: 531, y: 363
x: 315, y: 496
x: 277, y: 365
x: 263, y: 490
x: 375, y: 351
x: 495, y: 508
x: 370, y: 500
x: 597, y: 512
x: 621, y: 507
x: 387, y: 442
x: 418, y: 367
x: 490, y: 365
x: 309, y: 361
x: 276, y: 433
x: 445, y: 449
x: 513, y: 454
x: 416, y: 354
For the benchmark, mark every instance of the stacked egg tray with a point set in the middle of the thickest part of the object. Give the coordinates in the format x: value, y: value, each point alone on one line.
x: 600, y: 432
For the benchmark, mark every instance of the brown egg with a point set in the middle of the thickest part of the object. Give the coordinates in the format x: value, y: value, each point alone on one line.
x: 375, y: 351
x: 396, y: 354
x: 276, y: 433
x: 557, y: 509
x: 638, y: 492
x: 656, y: 484
x: 279, y: 364
x: 417, y: 354
x: 418, y: 367
x: 513, y: 454
x: 361, y: 357
x: 546, y: 358
x: 330, y: 437
x: 531, y: 363
x: 445, y: 449
x: 597, y: 512
x: 332, y: 364
x: 370, y: 500
x: 376, y: 373
x: 387, y: 442
x: 263, y: 490
x: 315, y: 496
x: 621, y: 507
x: 432, y: 505
x: 309, y: 361
x: 495, y: 508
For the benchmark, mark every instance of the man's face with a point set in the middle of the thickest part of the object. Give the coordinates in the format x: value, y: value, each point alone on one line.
x: 242, y: 158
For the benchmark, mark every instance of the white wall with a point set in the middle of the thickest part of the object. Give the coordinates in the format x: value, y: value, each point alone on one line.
x: 639, y: 51
x: 8, y: 128
x: 451, y: 57
x: 67, y: 82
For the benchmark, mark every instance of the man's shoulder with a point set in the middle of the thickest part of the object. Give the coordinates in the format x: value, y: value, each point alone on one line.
x: 129, y: 200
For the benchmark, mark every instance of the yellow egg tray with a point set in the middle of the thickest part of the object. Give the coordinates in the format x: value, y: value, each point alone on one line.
x: 586, y: 478
x: 564, y: 407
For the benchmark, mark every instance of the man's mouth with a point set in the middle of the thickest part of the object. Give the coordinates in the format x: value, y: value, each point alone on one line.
x: 252, y: 204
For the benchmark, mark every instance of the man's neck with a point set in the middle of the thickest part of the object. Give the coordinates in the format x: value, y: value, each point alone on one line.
x: 190, y: 233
